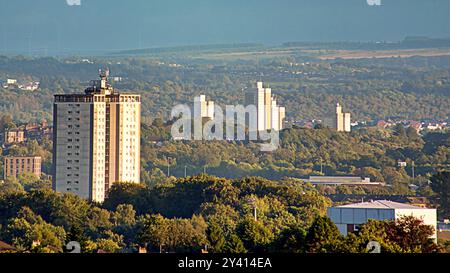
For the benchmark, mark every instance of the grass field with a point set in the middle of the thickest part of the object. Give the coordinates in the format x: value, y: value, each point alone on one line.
x: 321, y: 54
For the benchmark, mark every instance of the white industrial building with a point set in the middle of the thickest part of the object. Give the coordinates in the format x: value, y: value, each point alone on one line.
x: 348, y: 218
x: 342, y: 180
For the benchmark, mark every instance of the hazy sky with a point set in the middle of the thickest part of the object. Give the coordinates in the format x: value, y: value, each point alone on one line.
x: 36, y: 25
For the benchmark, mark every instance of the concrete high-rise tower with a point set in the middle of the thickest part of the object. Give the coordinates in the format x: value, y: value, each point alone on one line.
x: 203, y: 108
x: 96, y: 140
x: 269, y: 114
x: 342, y: 122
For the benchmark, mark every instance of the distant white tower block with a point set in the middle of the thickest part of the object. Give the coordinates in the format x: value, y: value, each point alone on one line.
x: 203, y: 108
x: 275, y: 116
x: 210, y: 110
x: 269, y: 114
x: 347, y: 122
x: 342, y: 122
x: 281, y: 117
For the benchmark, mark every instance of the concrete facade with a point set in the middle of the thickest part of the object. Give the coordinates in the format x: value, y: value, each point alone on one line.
x: 17, y: 165
x: 270, y: 116
x: 342, y: 122
x: 96, y: 140
x: 203, y: 108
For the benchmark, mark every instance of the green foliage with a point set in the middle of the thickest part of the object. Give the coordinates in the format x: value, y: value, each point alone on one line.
x: 323, y: 236
x: 255, y: 235
x: 168, y: 235
x: 291, y: 240
x: 125, y: 193
x: 216, y: 237
x: 290, y: 218
x: 440, y: 183
x: 29, y: 232
x: 405, y: 235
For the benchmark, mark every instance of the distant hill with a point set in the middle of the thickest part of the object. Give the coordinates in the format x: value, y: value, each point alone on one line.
x: 407, y: 43
x: 158, y: 50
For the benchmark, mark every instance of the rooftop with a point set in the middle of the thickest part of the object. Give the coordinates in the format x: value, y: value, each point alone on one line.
x: 5, y: 247
x: 380, y: 204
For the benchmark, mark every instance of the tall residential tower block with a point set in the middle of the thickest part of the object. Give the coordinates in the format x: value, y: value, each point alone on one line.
x: 269, y: 114
x: 342, y: 122
x: 96, y: 140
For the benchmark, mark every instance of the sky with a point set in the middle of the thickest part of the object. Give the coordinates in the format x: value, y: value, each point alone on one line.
x: 50, y: 26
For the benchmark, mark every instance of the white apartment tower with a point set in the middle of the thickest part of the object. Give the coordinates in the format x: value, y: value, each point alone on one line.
x: 203, y: 108
x: 96, y: 140
x: 342, y: 122
x: 269, y: 114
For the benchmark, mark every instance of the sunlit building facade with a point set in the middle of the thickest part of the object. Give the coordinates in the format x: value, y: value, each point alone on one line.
x: 96, y: 140
x: 270, y: 116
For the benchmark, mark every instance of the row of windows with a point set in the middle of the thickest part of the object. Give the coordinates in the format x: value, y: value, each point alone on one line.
x: 13, y: 172
x: 28, y: 160
x: 30, y: 166
x: 76, y: 147
x: 70, y: 161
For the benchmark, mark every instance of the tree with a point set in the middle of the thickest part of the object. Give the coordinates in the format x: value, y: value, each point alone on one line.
x: 98, y: 221
x: 27, y: 180
x: 323, y: 236
x: 29, y: 231
x: 125, y: 193
x: 110, y: 242
x: 216, y: 237
x: 234, y: 245
x: 399, y: 130
x: 154, y: 232
x: 6, y: 122
x: 411, y: 133
x: 107, y: 245
x: 158, y: 122
x: 376, y: 231
x: 404, y: 235
x: 412, y: 235
x: 77, y: 234
x: 173, y: 235
x: 440, y: 184
x: 291, y: 240
x: 124, y: 215
x: 255, y: 236
x: 11, y: 185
